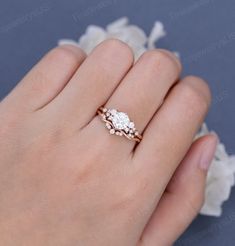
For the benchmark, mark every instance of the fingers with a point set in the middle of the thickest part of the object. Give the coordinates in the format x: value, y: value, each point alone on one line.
x: 143, y: 89
x: 94, y: 82
x: 172, y: 130
x: 183, y: 197
x: 145, y: 86
x: 45, y: 81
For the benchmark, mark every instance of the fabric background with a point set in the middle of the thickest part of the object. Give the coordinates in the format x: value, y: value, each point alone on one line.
x: 201, y: 30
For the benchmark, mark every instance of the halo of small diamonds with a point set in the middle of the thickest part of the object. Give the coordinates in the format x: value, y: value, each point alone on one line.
x: 119, y: 123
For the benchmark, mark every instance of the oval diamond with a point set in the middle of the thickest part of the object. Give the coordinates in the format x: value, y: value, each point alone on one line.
x: 120, y: 120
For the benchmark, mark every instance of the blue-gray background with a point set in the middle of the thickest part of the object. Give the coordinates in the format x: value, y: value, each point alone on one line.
x: 201, y: 30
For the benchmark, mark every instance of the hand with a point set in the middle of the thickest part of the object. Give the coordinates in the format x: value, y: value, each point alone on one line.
x: 65, y: 181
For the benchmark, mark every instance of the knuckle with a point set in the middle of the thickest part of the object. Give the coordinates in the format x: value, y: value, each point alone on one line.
x: 130, y: 193
x: 8, y: 125
x: 39, y: 83
x: 128, y: 198
x: 60, y: 56
x: 163, y: 59
x: 136, y: 190
x: 197, y: 93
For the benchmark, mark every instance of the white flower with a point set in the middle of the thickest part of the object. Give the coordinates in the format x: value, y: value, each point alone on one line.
x: 221, y: 174
x: 134, y: 36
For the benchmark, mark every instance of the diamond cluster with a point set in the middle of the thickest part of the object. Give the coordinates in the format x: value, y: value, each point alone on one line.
x: 119, y: 123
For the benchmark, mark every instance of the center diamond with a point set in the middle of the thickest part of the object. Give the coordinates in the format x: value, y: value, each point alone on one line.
x: 120, y: 120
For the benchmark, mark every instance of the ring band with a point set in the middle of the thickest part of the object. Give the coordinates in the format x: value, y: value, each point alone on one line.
x: 118, y: 123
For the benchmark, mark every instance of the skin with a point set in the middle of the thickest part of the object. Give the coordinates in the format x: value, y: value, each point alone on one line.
x: 64, y: 180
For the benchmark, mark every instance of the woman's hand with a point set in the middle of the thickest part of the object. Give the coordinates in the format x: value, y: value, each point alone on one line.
x: 65, y: 181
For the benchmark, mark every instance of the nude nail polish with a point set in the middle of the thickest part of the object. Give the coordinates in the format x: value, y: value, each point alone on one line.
x: 209, y: 152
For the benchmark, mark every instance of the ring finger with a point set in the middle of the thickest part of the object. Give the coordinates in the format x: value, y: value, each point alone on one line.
x: 143, y: 89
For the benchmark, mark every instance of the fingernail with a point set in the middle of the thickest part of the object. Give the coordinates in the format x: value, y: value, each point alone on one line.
x: 173, y: 56
x: 75, y: 49
x: 209, y: 152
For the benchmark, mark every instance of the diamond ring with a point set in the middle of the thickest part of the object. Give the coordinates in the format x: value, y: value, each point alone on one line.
x: 118, y: 123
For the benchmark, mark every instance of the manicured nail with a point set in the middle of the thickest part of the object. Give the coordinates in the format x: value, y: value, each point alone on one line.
x: 173, y: 56
x: 209, y: 152
x: 74, y: 48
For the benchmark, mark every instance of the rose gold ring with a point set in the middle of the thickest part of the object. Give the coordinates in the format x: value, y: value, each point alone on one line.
x: 118, y: 123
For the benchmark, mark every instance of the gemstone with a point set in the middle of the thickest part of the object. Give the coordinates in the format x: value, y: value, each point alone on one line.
x: 126, y: 129
x: 120, y: 120
x: 131, y: 125
x: 108, y: 125
x: 112, y: 131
